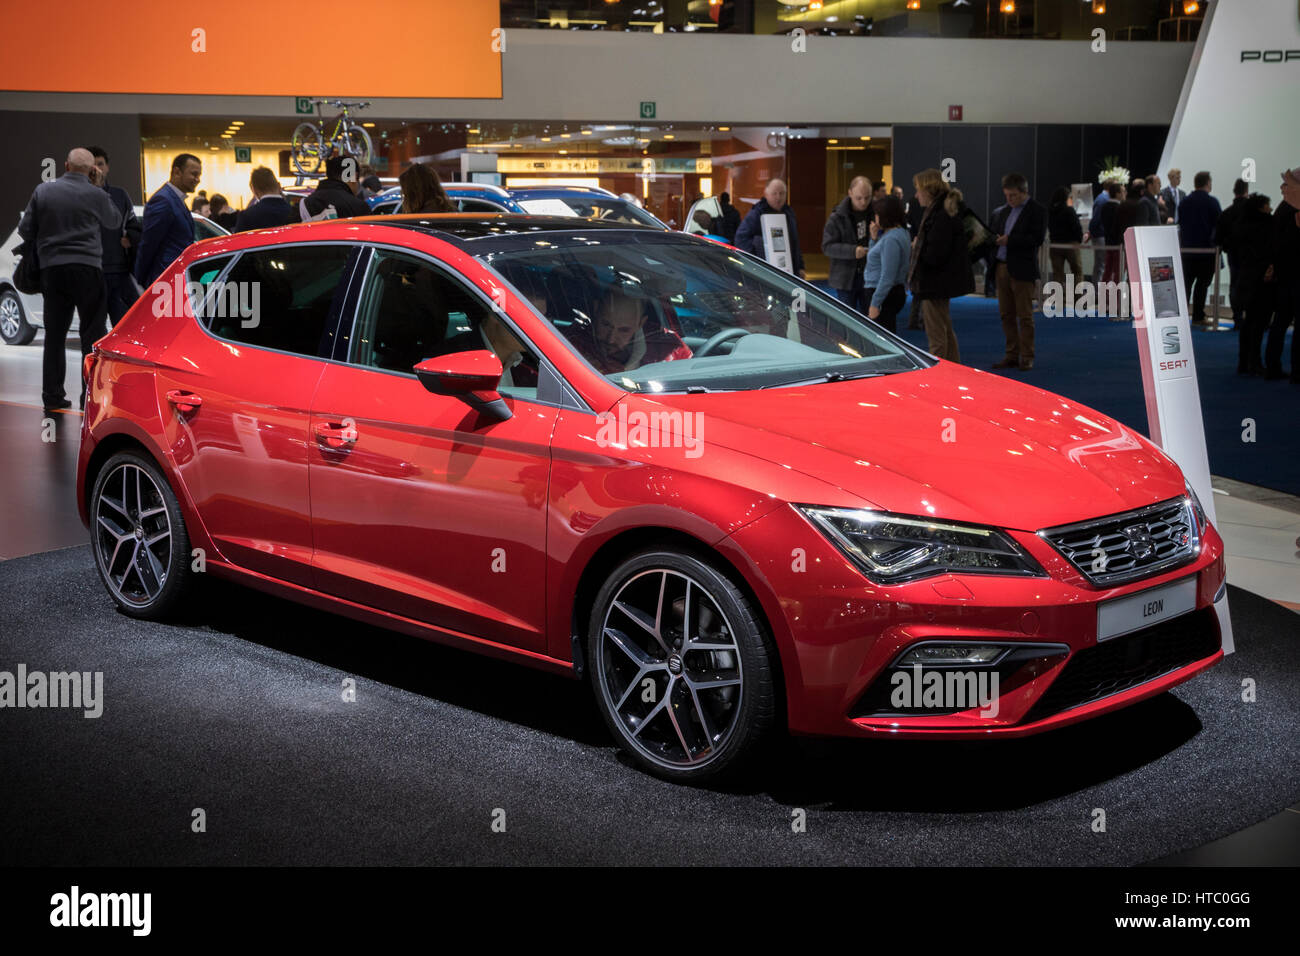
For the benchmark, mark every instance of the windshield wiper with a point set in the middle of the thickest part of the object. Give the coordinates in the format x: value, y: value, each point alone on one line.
x: 830, y: 377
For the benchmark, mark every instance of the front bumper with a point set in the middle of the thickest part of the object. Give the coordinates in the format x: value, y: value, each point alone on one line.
x: 839, y: 635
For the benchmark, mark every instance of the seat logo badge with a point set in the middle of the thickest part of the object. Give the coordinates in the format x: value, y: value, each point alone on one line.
x: 1140, y: 543
x: 1169, y: 338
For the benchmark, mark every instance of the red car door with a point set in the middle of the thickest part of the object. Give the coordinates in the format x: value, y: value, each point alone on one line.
x: 236, y: 391
x: 421, y: 506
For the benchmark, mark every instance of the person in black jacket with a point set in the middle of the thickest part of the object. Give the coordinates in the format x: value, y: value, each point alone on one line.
x: 1284, y: 260
x: 1197, y: 216
x: 119, y: 245
x: 1064, y: 228
x: 1021, y: 226
x: 1252, y: 240
x: 914, y: 213
x: 333, y: 191
x: 1111, y: 232
x: 845, y: 240
x: 749, y: 237
x: 269, y: 208
x: 1225, y: 239
x: 729, y: 221
x: 940, y: 269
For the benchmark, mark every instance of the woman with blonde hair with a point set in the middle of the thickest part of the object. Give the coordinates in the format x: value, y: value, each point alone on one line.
x: 422, y: 190
x: 941, y: 268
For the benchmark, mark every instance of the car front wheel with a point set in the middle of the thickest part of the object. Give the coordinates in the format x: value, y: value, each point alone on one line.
x: 682, y: 667
x: 138, y: 536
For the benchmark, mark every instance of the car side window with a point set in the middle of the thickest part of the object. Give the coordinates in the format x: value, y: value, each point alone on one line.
x: 478, y: 205
x: 285, y: 297
x: 410, y: 311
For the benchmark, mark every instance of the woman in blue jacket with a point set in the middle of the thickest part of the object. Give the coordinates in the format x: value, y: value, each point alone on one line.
x: 884, y: 277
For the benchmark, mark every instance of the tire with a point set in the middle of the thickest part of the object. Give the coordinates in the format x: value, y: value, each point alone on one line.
x: 650, y: 691
x: 307, y: 149
x: 14, y: 328
x: 133, y: 506
x: 359, y: 145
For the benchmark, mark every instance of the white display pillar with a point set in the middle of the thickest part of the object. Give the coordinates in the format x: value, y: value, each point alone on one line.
x: 1158, y: 301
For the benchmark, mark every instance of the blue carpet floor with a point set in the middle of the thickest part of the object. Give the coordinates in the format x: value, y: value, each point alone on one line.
x: 1095, y: 361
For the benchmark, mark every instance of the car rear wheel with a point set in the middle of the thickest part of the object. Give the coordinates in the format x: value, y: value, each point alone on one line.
x: 14, y: 328
x: 138, y: 536
x: 682, y: 667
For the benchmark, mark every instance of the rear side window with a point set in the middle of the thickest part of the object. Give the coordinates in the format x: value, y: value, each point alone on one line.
x: 286, y: 298
x: 478, y: 205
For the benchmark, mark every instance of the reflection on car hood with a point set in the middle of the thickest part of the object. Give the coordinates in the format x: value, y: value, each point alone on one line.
x: 946, y: 441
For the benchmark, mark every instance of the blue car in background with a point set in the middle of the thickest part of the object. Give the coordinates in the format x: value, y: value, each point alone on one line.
x: 586, y: 202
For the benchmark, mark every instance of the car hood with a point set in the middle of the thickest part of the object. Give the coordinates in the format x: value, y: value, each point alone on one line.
x: 947, y: 442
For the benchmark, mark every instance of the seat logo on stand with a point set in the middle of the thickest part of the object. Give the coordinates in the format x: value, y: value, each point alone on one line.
x: 1169, y: 339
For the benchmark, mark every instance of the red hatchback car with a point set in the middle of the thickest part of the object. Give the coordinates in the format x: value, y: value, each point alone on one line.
x: 644, y: 457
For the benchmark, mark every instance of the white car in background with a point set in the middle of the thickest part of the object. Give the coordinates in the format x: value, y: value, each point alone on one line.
x: 21, y: 315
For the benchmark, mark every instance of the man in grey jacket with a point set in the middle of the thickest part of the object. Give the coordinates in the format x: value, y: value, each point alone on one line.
x: 63, y: 220
x: 845, y: 241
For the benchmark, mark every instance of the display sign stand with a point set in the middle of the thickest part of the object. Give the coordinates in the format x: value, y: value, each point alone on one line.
x: 776, y: 241
x: 1164, y: 332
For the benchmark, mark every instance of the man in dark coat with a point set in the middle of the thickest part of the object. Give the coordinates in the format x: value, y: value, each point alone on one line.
x: 119, y: 244
x: 729, y: 221
x: 1198, y: 214
x: 269, y: 207
x: 845, y: 240
x: 1021, y: 227
x: 749, y: 237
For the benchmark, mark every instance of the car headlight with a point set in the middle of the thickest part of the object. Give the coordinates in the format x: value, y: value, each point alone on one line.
x: 1202, y: 522
x: 892, y: 549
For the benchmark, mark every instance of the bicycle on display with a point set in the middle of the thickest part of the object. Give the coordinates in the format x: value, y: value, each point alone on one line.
x: 311, y: 146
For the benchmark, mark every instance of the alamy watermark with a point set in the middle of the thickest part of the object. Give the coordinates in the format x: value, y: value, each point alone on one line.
x: 221, y: 300
x: 1085, y: 299
x: 946, y: 690
x: 665, y: 429
x: 79, y: 690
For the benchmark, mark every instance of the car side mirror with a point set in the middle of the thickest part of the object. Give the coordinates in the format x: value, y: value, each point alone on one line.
x: 473, y: 377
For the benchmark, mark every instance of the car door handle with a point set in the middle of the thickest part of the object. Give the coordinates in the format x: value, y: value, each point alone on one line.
x: 336, y: 434
x: 183, y: 401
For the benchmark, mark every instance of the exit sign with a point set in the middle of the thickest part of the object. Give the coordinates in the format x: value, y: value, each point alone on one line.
x: 243, y: 154
x: 303, y: 104
x: 647, y: 109
x: 954, y: 112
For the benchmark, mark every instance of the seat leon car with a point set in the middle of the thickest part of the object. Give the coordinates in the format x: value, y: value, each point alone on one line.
x: 646, y: 460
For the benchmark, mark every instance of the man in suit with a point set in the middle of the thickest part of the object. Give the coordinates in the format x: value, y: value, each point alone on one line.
x: 118, y: 244
x: 1173, y: 196
x: 1021, y: 227
x: 269, y: 208
x: 1198, y: 214
x: 168, y: 225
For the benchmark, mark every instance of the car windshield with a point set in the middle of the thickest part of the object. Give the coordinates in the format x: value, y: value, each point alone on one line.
x: 589, y: 206
x: 661, y: 312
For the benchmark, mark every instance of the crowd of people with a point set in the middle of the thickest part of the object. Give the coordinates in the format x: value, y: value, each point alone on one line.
x: 880, y: 249
x: 96, y: 256
x: 1260, y: 244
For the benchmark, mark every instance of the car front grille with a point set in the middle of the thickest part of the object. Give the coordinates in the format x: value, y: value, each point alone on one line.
x: 1136, y: 544
x: 1125, y: 662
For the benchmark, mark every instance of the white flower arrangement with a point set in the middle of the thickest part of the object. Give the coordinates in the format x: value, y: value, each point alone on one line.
x: 1113, y: 171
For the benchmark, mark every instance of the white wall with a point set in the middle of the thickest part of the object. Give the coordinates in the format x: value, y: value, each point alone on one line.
x: 560, y: 75
x: 1230, y: 110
